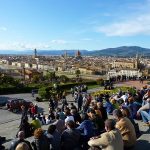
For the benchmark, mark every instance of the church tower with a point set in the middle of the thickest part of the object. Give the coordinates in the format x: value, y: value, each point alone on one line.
x: 65, y: 55
x: 35, y: 53
x: 137, y: 61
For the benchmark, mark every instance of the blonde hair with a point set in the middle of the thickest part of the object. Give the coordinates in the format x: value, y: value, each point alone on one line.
x: 22, y: 146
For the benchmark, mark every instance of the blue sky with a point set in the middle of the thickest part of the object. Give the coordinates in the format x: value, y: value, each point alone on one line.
x: 74, y: 24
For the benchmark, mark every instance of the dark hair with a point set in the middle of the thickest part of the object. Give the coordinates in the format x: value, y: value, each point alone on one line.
x: 126, y: 112
x: 92, y: 111
x: 110, y: 124
x: 118, y: 113
x: 33, y: 118
x: 57, y: 116
x: 51, y: 129
x: 84, y: 116
x: 71, y: 124
x: 67, y: 112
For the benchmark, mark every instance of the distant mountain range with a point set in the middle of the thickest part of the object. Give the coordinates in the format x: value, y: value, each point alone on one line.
x: 124, y: 51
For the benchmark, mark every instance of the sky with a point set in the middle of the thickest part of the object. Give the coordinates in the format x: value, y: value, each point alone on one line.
x: 73, y: 24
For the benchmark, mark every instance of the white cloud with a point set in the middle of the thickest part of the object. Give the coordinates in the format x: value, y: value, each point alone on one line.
x: 28, y: 46
x: 24, y: 46
x: 58, y: 41
x: 86, y: 39
x: 135, y: 26
x: 3, y: 29
x: 136, y: 22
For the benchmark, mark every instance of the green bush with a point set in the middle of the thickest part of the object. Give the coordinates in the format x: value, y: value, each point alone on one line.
x: 43, y: 92
x: 100, y: 82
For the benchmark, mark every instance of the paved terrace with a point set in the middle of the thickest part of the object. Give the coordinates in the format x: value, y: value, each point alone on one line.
x: 9, y: 128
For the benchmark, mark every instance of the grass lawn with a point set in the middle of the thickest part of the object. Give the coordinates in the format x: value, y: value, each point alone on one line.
x: 93, y: 86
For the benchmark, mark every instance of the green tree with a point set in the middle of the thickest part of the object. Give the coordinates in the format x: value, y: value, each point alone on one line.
x: 36, y: 79
x: 77, y: 72
x: 63, y: 78
x: 50, y: 76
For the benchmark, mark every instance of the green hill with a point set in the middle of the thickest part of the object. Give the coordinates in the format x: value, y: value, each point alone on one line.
x: 124, y: 51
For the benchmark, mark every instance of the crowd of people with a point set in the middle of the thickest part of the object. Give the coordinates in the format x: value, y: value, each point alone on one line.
x: 84, y: 124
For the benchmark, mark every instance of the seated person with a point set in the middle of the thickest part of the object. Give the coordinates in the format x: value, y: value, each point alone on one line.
x: 145, y: 112
x: 54, y: 137
x: 109, y: 107
x: 110, y: 140
x: 98, y: 122
x: 40, y: 141
x: 35, y: 123
x: 126, y: 128
x: 86, y: 128
x: 70, y: 138
x: 126, y: 113
x: 21, y: 138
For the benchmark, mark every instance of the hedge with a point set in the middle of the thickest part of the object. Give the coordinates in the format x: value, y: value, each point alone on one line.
x: 30, y: 87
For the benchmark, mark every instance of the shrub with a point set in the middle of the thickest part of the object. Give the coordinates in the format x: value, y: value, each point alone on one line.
x: 100, y: 82
x: 43, y: 92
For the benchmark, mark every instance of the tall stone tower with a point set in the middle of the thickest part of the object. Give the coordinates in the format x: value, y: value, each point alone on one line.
x: 35, y: 53
x: 65, y: 55
x: 137, y: 61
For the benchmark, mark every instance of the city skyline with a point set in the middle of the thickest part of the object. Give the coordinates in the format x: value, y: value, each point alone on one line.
x: 73, y: 24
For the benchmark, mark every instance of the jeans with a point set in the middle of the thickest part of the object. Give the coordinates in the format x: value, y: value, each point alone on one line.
x: 145, y: 116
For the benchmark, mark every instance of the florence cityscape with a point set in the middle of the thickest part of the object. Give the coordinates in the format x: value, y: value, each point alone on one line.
x: 74, y: 75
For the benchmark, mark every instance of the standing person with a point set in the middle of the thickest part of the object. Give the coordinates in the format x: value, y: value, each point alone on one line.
x: 126, y: 128
x: 33, y: 93
x: 72, y: 91
x: 80, y: 102
x: 24, y: 115
x: 33, y: 110
x: 64, y: 102
x: 26, y: 128
x: 110, y: 140
x: 51, y: 104
x: 21, y: 138
x: 36, y: 108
